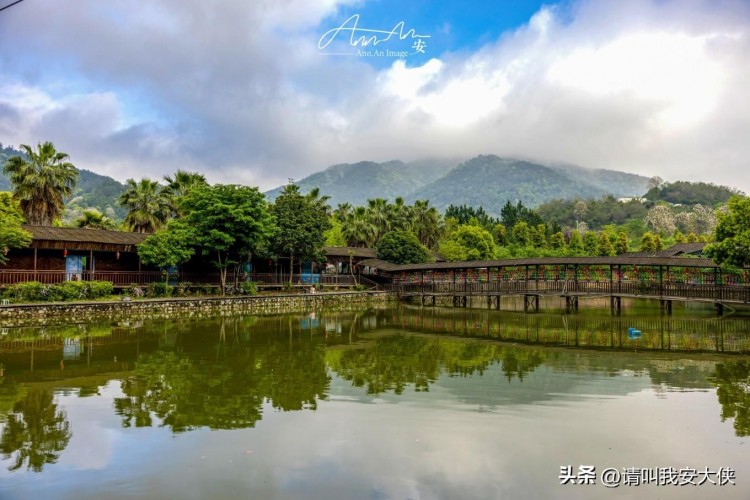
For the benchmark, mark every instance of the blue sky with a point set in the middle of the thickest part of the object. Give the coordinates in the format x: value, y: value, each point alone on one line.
x: 240, y: 91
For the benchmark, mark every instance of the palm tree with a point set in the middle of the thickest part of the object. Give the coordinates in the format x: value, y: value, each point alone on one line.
x: 42, y: 182
x: 94, y: 219
x: 148, y: 204
x: 427, y: 223
x: 320, y: 202
x: 183, y: 181
x: 358, y: 229
x: 378, y: 211
x: 179, y: 185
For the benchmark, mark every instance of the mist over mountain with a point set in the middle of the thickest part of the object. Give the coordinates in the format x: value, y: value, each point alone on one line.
x: 486, y: 180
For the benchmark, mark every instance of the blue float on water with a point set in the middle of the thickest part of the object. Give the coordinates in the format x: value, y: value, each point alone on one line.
x: 634, y: 334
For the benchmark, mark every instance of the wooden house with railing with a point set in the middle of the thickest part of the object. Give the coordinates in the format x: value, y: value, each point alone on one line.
x: 58, y: 254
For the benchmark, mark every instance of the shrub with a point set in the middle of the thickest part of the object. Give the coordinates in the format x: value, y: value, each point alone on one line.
x: 249, y: 288
x: 34, y: 291
x: 159, y: 289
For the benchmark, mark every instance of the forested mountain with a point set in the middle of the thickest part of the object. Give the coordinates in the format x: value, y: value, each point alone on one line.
x: 488, y: 181
x: 355, y: 183
x: 690, y: 193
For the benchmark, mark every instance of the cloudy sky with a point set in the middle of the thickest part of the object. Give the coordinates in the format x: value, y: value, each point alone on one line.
x: 242, y: 91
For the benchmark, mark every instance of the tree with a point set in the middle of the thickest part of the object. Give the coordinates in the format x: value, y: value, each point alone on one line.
x: 179, y: 185
x: 148, y: 204
x: 401, y: 247
x: 12, y: 235
x: 622, y: 245
x: 183, y: 181
x: 521, y: 234
x: 661, y: 219
x: 605, y: 245
x: 227, y: 222
x: 94, y: 219
x: 357, y: 228
x: 302, y: 224
x: 538, y: 236
x: 575, y: 244
x: 476, y: 242
x: 590, y: 243
x: 334, y: 237
x: 42, y: 182
x: 557, y: 241
x: 167, y: 248
x: 732, y: 247
x: 648, y: 244
x: 426, y: 223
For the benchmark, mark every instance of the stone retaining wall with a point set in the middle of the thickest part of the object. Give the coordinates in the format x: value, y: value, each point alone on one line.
x: 51, y: 313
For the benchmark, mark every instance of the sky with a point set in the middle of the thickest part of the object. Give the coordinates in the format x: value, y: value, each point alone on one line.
x: 258, y: 92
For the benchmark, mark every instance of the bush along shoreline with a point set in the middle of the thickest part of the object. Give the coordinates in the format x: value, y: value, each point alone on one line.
x: 34, y: 291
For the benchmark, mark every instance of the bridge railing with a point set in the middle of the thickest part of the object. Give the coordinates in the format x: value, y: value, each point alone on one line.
x: 733, y: 293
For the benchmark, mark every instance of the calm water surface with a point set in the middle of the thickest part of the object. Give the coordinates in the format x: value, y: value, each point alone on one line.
x: 395, y: 402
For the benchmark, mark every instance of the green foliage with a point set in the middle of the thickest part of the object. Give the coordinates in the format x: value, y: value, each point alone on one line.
x: 334, y: 237
x: 599, y: 212
x: 93, y: 219
x: 575, y: 245
x: 12, y: 235
x: 538, y: 235
x: 464, y: 213
x: 520, y: 234
x: 468, y: 243
x: 149, y: 206
x: 42, y: 179
x: 591, y: 243
x: 691, y: 193
x: 732, y: 247
x: 622, y: 245
x: 513, y: 214
x: 500, y: 232
x: 302, y: 223
x: 159, y: 289
x: 648, y: 242
x: 557, y: 241
x: 227, y: 222
x: 167, y: 248
x: 402, y: 247
x: 605, y: 245
x: 33, y: 291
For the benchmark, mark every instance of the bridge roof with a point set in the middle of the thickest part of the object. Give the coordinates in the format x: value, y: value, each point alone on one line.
x: 542, y: 261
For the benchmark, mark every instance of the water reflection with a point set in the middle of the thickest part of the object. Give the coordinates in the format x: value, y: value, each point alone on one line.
x: 35, y: 431
x: 223, y: 373
x: 732, y: 380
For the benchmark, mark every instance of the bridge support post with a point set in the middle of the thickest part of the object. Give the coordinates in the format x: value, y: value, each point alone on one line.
x: 666, y: 306
x: 719, y: 308
x: 530, y: 303
x: 497, y: 302
x: 571, y: 304
x: 615, y: 305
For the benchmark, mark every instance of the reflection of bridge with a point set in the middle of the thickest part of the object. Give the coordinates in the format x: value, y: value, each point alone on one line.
x: 664, y: 278
x: 661, y: 333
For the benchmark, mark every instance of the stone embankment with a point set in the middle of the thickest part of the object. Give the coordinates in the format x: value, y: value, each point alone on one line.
x: 52, y: 313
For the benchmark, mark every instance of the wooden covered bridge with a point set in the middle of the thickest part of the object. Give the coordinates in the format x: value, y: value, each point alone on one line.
x: 666, y: 279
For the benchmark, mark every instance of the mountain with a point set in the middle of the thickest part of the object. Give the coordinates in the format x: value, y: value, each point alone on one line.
x: 620, y: 184
x: 485, y: 180
x: 491, y: 181
x: 92, y: 190
x: 355, y: 183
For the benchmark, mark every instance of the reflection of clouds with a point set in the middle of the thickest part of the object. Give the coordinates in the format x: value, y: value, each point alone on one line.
x: 93, y: 441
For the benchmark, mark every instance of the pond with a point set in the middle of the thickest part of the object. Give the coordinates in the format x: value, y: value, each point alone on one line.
x: 389, y: 402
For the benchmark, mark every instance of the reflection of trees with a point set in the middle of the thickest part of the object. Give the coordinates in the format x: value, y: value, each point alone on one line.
x: 394, y: 362
x: 36, y: 431
x: 733, y: 382
x: 223, y: 391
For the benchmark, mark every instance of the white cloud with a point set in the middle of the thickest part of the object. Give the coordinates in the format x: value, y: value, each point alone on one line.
x: 239, y: 91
